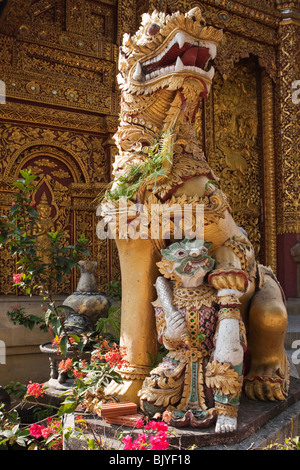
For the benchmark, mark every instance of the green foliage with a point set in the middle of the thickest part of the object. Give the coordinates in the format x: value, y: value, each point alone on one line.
x: 146, y: 172
x: 19, y: 316
x: 40, y: 413
x: 291, y: 443
x: 16, y: 389
x: 19, y: 231
x: 11, y: 431
x: 112, y: 323
x: 113, y: 290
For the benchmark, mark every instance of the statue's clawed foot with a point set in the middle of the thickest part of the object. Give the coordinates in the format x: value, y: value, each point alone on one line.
x: 265, y: 388
x: 268, y: 383
x: 226, y: 424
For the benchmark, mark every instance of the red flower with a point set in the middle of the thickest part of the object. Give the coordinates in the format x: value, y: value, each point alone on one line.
x: 66, y: 365
x: 77, y: 373
x: 36, y: 430
x: 139, y: 424
x: 115, y: 357
x: 35, y: 389
x: 56, y: 341
x: 17, y: 278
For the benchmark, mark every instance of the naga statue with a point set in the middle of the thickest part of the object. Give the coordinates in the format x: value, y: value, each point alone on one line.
x: 165, y: 72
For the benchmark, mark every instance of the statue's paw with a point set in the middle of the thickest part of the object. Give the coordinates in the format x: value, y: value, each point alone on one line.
x: 226, y: 424
x: 265, y: 388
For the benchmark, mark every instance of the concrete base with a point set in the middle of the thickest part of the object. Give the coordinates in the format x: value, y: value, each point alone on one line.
x: 259, y: 424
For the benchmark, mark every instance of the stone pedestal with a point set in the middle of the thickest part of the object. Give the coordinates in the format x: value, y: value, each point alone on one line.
x: 58, y: 381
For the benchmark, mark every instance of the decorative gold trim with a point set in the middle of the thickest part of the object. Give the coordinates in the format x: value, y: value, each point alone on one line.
x: 194, y: 298
x: 226, y: 312
x: 227, y: 410
x: 269, y: 171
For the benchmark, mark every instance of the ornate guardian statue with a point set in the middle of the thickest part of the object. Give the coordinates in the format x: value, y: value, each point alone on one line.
x: 201, y: 376
x: 165, y: 70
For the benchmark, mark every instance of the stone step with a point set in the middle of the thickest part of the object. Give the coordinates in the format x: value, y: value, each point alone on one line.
x: 293, y: 331
x: 259, y: 424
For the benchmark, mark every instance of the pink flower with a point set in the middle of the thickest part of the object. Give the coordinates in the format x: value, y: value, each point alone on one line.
x: 36, y: 430
x: 127, y: 440
x: 13, y: 204
x: 35, y: 389
x: 139, y: 424
x: 46, y: 432
x: 17, y: 278
x: 157, y: 425
x: 140, y: 443
x: 159, y: 442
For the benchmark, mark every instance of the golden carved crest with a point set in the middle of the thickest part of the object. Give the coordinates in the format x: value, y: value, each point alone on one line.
x: 223, y: 378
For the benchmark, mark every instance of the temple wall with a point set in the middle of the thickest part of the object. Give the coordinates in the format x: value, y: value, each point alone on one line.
x: 58, y: 65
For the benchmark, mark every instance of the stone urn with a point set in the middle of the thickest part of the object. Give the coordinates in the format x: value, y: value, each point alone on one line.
x: 87, y: 302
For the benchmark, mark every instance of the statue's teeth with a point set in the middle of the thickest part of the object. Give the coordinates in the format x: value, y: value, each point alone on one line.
x: 138, y: 74
x: 181, y: 39
x: 179, y: 65
x: 211, y: 73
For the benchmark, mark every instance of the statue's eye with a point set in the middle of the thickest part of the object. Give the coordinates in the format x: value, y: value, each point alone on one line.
x: 153, y: 29
x: 180, y: 253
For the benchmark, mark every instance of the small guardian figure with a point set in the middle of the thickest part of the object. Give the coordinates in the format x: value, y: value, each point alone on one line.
x: 200, y: 378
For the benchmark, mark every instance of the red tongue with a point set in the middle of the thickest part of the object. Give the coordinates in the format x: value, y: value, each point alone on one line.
x: 190, y: 56
x: 195, y: 56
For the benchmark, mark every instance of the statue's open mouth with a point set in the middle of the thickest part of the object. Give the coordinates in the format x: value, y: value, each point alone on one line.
x: 193, y: 266
x: 182, y: 54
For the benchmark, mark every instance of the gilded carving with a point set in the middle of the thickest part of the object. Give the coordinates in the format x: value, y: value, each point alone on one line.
x: 58, y: 61
x: 232, y: 145
x: 78, y: 68
x: 288, y: 132
x: 61, y: 159
x: 65, y: 119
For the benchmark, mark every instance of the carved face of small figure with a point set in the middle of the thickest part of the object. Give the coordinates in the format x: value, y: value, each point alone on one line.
x: 190, y: 260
